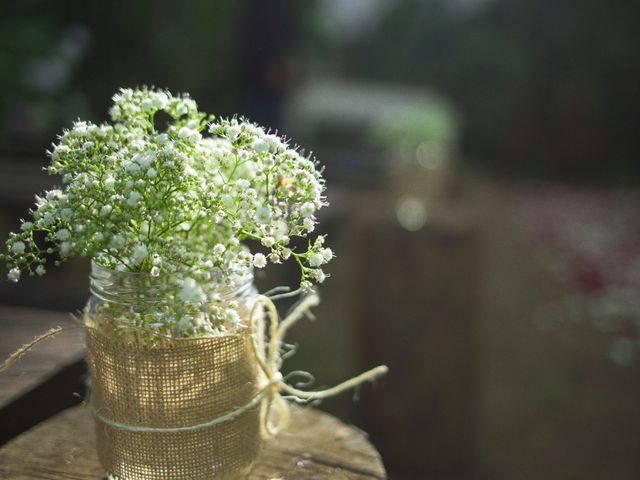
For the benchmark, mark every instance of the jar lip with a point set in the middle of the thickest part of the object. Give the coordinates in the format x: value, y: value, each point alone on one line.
x: 100, y: 273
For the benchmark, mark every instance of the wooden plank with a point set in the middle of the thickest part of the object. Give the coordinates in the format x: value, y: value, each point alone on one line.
x: 21, y: 325
x: 316, y: 445
x: 415, y: 300
x: 47, y: 378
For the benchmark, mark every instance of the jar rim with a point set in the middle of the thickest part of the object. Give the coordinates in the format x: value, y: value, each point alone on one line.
x: 104, y: 279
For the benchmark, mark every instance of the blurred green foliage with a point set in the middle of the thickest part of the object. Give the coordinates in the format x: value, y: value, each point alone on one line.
x: 61, y: 62
x: 547, y: 87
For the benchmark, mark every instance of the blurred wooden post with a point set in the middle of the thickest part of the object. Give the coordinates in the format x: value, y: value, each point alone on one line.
x: 417, y: 310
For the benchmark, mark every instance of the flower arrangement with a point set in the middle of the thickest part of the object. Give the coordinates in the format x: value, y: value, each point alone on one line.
x: 184, y: 356
x: 171, y: 192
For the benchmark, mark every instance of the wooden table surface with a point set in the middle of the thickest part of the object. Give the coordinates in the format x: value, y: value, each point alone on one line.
x: 20, y: 325
x: 48, y: 378
x: 315, y: 446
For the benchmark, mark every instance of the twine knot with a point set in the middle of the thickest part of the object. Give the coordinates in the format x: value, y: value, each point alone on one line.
x: 270, y: 360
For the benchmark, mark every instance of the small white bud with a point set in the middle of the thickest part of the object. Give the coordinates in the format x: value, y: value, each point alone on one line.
x: 63, y: 234
x: 18, y: 247
x: 14, y: 275
x: 316, y: 260
x: 134, y: 198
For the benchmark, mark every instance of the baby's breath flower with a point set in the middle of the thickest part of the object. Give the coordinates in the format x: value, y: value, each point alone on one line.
x: 268, y: 241
x: 61, y: 150
x: 138, y: 254
x: 263, y: 214
x: 14, y: 275
x: 309, y: 224
x: 133, y: 199
x: 117, y: 242
x: 65, y: 248
x: 63, y: 234
x: 159, y: 99
x: 191, y: 292
x: 105, y: 210
x: 131, y: 167
x: 18, y: 247
x: 316, y: 260
x: 47, y: 219
x: 317, y: 274
x: 66, y: 214
x: 307, y: 209
x: 259, y: 260
x: 320, y: 276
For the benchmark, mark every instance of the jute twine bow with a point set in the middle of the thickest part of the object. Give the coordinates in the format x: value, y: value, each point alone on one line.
x: 268, y: 356
x: 270, y: 361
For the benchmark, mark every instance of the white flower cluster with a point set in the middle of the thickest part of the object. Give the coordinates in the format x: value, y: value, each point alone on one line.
x: 174, y: 199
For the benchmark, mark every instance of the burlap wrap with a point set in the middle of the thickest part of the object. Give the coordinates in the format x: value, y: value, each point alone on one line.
x: 177, y: 383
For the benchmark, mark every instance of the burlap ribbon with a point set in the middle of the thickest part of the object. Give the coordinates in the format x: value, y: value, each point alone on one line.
x: 153, y: 405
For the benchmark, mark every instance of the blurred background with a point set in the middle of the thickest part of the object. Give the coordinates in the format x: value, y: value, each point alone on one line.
x: 483, y: 165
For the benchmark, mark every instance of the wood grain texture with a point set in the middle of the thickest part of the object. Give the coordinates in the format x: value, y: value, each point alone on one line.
x: 21, y: 325
x: 47, y: 379
x: 316, y: 446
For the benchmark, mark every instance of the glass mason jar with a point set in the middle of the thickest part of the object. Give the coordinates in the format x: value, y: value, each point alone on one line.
x: 161, y: 393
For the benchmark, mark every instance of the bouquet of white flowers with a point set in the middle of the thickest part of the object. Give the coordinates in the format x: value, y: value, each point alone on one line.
x: 173, y: 192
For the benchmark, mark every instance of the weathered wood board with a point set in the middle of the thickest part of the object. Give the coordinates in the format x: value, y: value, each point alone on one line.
x: 315, y: 446
x: 46, y: 379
